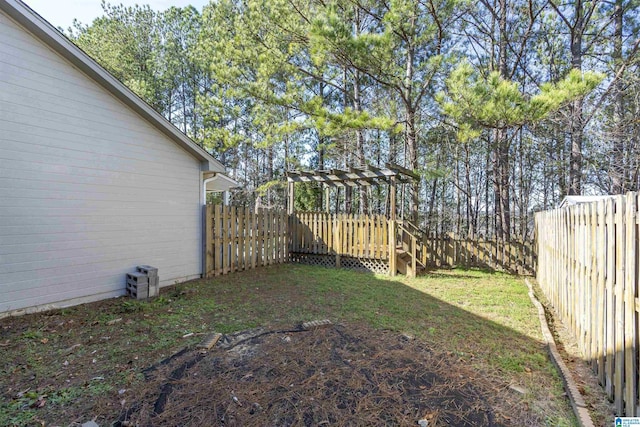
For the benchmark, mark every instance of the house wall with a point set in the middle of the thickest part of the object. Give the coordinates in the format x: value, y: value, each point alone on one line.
x: 88, y: 189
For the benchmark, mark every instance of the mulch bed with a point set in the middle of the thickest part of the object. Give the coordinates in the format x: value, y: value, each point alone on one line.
x: 337, y: 375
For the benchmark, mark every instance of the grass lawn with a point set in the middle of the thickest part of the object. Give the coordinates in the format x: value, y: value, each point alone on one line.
x: 75, y: 364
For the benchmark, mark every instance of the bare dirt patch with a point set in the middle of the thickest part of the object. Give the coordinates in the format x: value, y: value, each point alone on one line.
x: 339, y: 375
x: 476, y: 354
x: 602, y: 411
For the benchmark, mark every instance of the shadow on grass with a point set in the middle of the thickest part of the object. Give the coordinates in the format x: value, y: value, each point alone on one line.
x: 501, y: 338
x: 485, y: 323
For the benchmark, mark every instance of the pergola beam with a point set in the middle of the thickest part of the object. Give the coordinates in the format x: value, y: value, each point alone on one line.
x: 351, y: 182
x: 403, y: 171
x: 356, y: 176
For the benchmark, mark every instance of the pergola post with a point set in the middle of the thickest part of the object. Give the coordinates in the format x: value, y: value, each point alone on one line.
x: 392, y: 198
x: 327, y: 204
x: 393, y: 262
x: 291, y: 198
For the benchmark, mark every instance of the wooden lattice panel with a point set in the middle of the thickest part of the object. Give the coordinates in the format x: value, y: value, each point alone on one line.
x: 363, y: 264
x: 367, y: 264
x: 311, y: 259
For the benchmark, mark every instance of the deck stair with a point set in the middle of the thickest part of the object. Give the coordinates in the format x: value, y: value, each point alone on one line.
x: 410, y: 259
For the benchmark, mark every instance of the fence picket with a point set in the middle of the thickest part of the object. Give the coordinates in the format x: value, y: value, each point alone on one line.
x: 629, y: 345
x: 600, y: 303
x: 587, y: 266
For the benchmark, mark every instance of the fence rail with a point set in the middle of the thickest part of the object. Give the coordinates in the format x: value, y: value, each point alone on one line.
x: 588, y: 269
x: 240, y: 239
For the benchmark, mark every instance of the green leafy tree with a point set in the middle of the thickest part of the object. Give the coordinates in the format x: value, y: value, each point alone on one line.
x: 402, y: 49
x: 476, y: 103
x: 123, y: 41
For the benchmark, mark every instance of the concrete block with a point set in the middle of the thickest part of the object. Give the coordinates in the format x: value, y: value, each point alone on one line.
x: 150, y: 271
x: 137, y: 278
x: 140, y: 291
x: 154, y: 287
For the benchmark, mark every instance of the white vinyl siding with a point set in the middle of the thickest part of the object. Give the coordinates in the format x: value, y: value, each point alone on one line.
x: 88, y: 188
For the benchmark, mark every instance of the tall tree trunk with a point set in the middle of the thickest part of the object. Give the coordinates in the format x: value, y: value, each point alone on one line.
x: 487, y: 204
x: 432, y: 204
x: 501, y: 169
x: 471, y: 218
x: 286, y: 144
x: 392, y: 159
x: 364, y: 200
x: 412, y: 163
x: 357, y: 106
x: 560, y: 166
x: 458, y: 220
x: 411, y: 137
x: 577, y: 118
x: 346, y: 160
x: 270, y: 174
x: 618, y: 162
x: 501, y: 186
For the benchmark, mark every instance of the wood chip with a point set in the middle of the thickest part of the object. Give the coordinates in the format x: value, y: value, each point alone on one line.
x: 316, y: 324
x: 210, y: 341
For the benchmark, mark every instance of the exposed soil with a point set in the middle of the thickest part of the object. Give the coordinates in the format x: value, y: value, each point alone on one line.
x: 601, y: 409
x: 99, y: 361
x: 337, y: 375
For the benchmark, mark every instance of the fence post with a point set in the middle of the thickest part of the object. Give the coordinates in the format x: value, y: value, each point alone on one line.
x: 392, y: 248
x: 337, y: 227
x: 217, y: 243
x: 253, y: 240
x: 208, y: 240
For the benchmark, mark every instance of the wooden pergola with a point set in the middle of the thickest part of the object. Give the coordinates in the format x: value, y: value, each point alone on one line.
x: 361, y: 176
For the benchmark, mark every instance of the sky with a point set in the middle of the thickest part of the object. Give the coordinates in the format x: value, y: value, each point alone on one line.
x: 61, y: 13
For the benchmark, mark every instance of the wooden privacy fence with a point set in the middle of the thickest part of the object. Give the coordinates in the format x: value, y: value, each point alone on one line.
x: 588, y: 269
x: 511, y: 256
x: 342, y: 240
x: 240, y: 239
x: 372, y: 237
x: 340, y: 234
